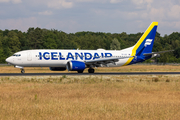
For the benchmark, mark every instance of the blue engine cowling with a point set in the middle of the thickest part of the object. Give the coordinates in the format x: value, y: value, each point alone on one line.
x: 76, y: 66
x: 57, y: 68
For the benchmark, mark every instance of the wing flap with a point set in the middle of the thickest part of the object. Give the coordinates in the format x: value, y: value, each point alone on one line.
x: 105, y: 60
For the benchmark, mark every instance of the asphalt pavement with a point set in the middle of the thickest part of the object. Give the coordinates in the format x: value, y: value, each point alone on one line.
x: 103, y: 73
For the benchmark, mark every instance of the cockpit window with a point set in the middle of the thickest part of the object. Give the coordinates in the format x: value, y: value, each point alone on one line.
x: 17, y: 55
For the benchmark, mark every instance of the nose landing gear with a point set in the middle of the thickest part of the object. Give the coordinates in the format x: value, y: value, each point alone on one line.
x: 22, y: 71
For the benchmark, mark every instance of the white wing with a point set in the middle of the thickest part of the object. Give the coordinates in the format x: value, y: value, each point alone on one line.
x: 105, y: 61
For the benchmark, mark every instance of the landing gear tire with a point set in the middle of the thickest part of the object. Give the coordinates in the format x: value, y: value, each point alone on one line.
x: 22, y: 71
x: 80, y: 71
x: 90, y: 70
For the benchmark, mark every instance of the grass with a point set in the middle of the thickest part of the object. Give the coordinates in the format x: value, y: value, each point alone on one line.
x: 90, y: 97
x: 130, y: 68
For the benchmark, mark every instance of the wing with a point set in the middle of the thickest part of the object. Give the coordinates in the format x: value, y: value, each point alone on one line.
x: 105, y: 61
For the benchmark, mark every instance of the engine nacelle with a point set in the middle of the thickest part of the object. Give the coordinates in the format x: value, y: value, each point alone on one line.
x: 75, y: 66
x: 57, y: 68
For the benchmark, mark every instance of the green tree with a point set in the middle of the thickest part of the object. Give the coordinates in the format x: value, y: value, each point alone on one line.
x: 2, y: 58
x: 13, y: 42
x: 22, y: 40
x: 35, y: 38
x: 6, y: 50
x: 49, y: 41
x: 177, y: 52
x: 115, y: 45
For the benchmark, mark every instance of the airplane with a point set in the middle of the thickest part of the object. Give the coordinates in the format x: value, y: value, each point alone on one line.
x: 79, y: 60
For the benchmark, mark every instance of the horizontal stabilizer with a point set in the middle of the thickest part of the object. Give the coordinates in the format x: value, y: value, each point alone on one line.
x: 147, y: 54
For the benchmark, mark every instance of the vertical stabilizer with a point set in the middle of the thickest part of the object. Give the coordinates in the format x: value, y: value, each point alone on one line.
x: 145, y: 43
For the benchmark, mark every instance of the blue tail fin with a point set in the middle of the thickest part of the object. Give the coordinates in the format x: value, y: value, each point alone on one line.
x: 144, y: 45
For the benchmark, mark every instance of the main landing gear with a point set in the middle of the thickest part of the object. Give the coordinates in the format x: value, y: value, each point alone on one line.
x: 91, y: 70
x: 22, y: 71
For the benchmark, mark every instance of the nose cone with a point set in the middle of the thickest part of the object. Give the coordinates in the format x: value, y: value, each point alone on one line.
x: 8, y: 60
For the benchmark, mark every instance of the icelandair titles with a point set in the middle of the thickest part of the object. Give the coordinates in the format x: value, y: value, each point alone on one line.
x: 70, y: 56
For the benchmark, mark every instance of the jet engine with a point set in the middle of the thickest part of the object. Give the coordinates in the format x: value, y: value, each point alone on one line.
x: 76, y: 66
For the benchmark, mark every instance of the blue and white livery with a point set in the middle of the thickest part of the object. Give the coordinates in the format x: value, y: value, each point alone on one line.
x: 78, y: 60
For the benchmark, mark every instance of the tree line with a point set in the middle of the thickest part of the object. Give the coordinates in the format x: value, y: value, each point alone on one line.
x: 12, y: 41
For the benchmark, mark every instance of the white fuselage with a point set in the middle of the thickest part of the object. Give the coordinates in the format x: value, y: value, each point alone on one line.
x: 59, y: 58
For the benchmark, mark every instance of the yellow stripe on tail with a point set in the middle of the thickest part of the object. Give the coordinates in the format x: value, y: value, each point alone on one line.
x: 140, y: 41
